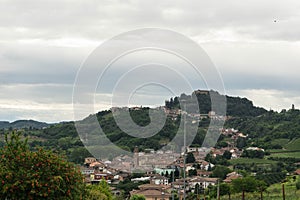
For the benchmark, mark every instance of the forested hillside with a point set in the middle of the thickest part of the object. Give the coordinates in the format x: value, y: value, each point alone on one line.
x: 256, y: 122
x: 269, y: 129
x: 236, y: 106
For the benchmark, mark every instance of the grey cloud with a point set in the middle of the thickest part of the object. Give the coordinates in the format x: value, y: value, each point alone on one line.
x: 43, y: 93
x: 22, y: 63
x: 236, y: 81
x: 105, y: 18
x: 241, y: 37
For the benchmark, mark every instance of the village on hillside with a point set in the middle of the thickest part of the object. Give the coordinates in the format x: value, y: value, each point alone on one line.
x: 190, y: 171
x: 165, y: 173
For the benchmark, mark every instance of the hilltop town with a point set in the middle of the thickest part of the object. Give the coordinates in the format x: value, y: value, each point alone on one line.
x: 255, y: 147
x: 195, y: 171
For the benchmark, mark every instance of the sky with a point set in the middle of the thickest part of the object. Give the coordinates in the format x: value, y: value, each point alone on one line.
x: 254, y: 45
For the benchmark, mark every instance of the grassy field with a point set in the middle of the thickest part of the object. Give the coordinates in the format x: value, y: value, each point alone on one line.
x: 291, y: 148
x: 288, y: 145
x: 286, y: 155
x: 251, y: 160
x: 274, y: 192
x: 281, y: 141
x: 276, y: 150
x: 293, y: 145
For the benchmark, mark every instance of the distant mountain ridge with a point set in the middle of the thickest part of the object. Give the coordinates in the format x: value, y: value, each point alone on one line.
x: 19, y: 124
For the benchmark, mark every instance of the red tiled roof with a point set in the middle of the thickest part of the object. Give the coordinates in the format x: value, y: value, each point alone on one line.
x: 297, y: 172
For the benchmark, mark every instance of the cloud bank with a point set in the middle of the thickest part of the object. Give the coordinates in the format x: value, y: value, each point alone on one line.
x: 254, y: 44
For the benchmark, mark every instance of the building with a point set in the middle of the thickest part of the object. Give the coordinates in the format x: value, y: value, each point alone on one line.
x: 159, y: 180
x: 89, y: 160
x: 231, y: 176
x: 87, y: 171
x: 164, y: 171
x: 204, y: 92
x: 203, y: 173
x: 203, y: 182
x: 153, y: 192
x: 297, y: 172
x: 254, y: 149
x: 180, y: 185
x: 97, y: 177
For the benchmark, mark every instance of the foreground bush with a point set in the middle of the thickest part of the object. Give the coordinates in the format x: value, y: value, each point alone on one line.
x: 100, y: 191
x: 36, y: 175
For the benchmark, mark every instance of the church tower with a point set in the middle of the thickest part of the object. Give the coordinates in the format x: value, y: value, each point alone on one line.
x: 136, y: 157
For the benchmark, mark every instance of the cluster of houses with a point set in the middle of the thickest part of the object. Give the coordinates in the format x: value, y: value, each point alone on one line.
x: 233, y: 133
x: 159, y: 168
x: 174, y: 114
x: 160, y: 176
x: 158, y: 186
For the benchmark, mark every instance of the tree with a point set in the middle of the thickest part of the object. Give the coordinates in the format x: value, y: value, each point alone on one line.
x: 261, y: 187
x: 190, y: 158
x: 298, y: 185
x: 241, y: 142
x: 176, y: 101
x: 224, y: 189
x: 98, y: 192
x: 208, y: 157
x: 222, y: 144
x: 243, y: 185
x: 253, y: 154
x: 78, y: 154
x: 167, y: 174
x: 104, y: 188
x: 192, y: 172
x: 227, y: 155
x: 137, y: 197
x: 209, y: 168
x: 220, y: 172
x: 197, y: 189
x: 127, y: 186
x: 176, y: 173
x: 36, y: 175
x: 64, y: 143
x: 171, y: 177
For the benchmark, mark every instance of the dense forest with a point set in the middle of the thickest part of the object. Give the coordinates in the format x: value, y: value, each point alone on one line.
x: 236, y: 106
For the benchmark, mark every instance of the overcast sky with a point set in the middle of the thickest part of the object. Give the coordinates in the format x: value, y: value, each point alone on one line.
x: 254, y: 44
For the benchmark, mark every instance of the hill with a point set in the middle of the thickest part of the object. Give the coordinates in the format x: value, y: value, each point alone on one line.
x: 272, y: 130
x: 20, y: 124
x: 236, y: 106
x: 63, y: 136
x: 277, y: 132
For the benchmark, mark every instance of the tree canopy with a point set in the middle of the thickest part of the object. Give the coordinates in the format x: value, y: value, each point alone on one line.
x: 38, y: 174
x: 190, y: 158
x: 98, y: 192
x: 137, y: 197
